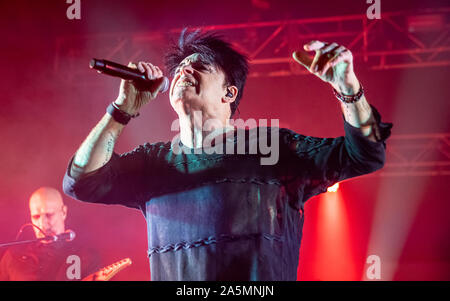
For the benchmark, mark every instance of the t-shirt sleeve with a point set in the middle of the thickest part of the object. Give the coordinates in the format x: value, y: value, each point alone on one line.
x: 124, y: 180
x: 318, y: 163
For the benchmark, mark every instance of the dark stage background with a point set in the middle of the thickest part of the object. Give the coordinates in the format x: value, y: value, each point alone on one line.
x: 45, y: 113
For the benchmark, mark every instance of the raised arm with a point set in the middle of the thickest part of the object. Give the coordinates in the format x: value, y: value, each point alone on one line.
x: 333, y: 64
x: 96, y: 150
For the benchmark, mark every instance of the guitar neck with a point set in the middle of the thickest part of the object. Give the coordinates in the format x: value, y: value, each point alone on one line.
x: 109, y: 271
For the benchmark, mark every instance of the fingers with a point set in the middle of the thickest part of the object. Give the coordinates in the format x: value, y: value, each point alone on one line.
x: 341, y: 55
x: 302, y: 57
x: 332, y: 58
x: 326, y: 56
x: 151, y: 71
x: 313, y: 67
x: 159, y: 73
x: 313, y: 45
x: 329, y: 48
x: 322, y: 56
x: 141, y: 68
x: 148, y: 70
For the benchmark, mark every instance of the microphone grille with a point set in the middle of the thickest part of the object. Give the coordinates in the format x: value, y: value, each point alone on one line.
x: 165, y: 85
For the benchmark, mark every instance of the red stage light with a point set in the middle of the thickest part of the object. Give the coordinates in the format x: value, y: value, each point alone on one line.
x: 334, y: 257
x: 333, y: 188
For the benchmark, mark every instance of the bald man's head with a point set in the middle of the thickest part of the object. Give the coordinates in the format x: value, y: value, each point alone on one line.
x: 47, y: 211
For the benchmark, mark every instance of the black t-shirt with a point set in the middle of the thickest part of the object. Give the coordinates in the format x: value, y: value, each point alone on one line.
x: 48, y: 262
x: 213, y: 216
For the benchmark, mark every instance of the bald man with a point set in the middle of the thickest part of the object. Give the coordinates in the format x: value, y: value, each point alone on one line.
x: 47, y: 212
x: 45, y: 260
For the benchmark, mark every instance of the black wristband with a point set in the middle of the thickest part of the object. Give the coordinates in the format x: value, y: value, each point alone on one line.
x: 119, y: 115
x: 349, y: 98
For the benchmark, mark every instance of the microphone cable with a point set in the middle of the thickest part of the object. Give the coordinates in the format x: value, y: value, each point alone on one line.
x: 27, y: 225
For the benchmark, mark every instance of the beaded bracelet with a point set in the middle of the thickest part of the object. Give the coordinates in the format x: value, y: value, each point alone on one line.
x: 349, y: 98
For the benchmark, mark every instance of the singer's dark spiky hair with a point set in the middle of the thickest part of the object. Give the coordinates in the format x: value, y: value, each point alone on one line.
x: 216, y: 52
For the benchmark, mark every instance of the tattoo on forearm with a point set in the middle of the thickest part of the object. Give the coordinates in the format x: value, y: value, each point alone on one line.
x: 347, y: 112
x: 366, y: 108
x: 109, y: 147
x: 98, y: 147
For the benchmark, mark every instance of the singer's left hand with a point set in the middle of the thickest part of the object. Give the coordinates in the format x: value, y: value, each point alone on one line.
x: 332, y: 63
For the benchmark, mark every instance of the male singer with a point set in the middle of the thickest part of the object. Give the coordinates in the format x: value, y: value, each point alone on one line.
x: 224, y: 215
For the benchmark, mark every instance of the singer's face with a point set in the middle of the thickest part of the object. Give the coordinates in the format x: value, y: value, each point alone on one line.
x: 48, y: 213
x: 197, y: 86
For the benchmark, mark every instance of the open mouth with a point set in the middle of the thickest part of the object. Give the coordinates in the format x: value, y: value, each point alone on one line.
x: 185, y: 82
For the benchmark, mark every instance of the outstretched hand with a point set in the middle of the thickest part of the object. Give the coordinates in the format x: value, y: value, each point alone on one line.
x: 332, y: 63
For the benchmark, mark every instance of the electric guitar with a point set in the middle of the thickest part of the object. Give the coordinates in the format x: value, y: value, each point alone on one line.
x: 109, y: 271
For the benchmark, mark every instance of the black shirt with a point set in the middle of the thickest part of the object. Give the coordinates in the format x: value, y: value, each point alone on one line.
x: 227, y: 216
x: 47, y: 262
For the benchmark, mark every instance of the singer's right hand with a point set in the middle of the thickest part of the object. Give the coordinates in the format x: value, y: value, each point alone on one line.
x: 132, y: 97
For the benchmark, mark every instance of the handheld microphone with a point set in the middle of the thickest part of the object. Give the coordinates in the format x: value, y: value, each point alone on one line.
x: 118, y: 70
x: 69, y: 235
